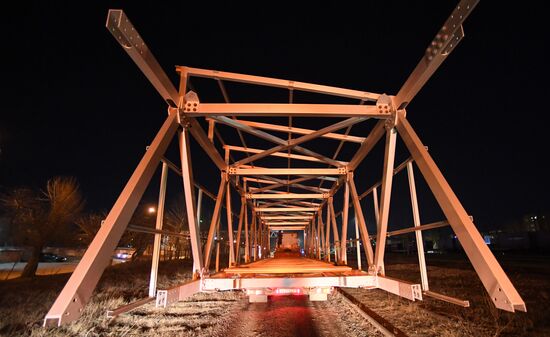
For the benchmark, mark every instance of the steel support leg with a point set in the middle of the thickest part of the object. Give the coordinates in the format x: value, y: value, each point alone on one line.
x: 327, y: 237
x: 387, y: 177
x: 229, y: 225
x: 218, y: 245
x: 376, y: 208
x: 214, y: 222
x: 188, y: 187
x: 357, y: 245
x: 416, y: 219
x: 246, y: 240
x: 499, y: 287
x: 335, y: 231
x: 322, y: 236
x: 78, y: 290
x: 319, y: 243
x: 199, y: 208
x: 239, y: 229
x: 158, y: 237
x: 343, y: 238
x: 367, y: 247
x: 255, y: 236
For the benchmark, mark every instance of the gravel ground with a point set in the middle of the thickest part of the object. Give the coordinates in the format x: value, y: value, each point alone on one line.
x: 229, y: 314
x: 297, y: 316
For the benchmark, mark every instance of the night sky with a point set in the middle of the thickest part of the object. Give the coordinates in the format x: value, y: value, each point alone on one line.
x: 75, y: 104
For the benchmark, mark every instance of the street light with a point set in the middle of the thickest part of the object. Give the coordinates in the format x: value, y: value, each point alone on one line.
x: 151, y: 210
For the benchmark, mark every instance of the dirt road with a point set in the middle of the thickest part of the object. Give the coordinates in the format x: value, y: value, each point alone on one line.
x: 297, y: 316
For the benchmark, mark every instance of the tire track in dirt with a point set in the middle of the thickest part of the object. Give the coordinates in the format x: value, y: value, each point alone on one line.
x: 297, y: 316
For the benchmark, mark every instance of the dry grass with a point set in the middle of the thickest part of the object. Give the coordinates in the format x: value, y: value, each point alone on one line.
x: 431, y: 317
x: 24, y: 303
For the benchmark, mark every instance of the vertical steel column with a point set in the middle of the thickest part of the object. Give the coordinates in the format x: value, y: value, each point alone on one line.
x: 199, y: 207
x: 158, y: 225
x: 188, y: 186
x: 268, y: 242
x: 214, y: 223
x: 322, y: 237
x: 246, y: 241
x: 218, y: 245
x: 376, y: 208
x: 319, y: 243
x: 357, y: 245
x: 367, y: 247
x: 239, y: 229
x: 416, y: 219
x: 78, y: 290
x: 335, y: 231
x: 229, y: 225
x: 344, y: 236
x: 255, y: 236
x: 327, y: 237
x: 387, y: 178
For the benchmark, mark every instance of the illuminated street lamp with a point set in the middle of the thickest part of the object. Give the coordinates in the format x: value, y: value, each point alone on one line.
x: 151, y: 210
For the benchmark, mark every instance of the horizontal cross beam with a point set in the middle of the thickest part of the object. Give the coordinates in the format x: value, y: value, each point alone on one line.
x: 285, y: 209
x: 277, y: 110
x: 300, y: 131
x: 286, y: 217
x: 275, y: 154
x: 286, y: 171
x: 287, y: 228
x: 287, y: 223
x: 279, y: 83
x: 288, y: 196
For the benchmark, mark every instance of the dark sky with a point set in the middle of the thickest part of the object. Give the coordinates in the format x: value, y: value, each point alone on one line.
x: 75, y: 104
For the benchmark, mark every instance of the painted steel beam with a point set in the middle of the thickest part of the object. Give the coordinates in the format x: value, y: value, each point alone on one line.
x: 385, y: 197
x: 286, y: 171
x: 277, y: 110
x: 285, y: 209
x: 443, y: 44
x: 287, y: 183
x: 127, y: 36
x: 276, y: 154
x: 289, y: 217
x: 78, y: 290
x: 280, y: 83
x: 398, y: 169
x: 214, y: 222
x: 301, y: 131
x: 359, y: 217
x: 200, y: 136
x: 286, y: 228
x: 287, y: 196
x: 425, y: 227
x: 498, y: 285
x: 286, y: 144
x: 286, y: 223
x: 348, y: 281
x: 190, y: 204
x: 367, y: 145
x: 418, y: 234
x: 259, y: 181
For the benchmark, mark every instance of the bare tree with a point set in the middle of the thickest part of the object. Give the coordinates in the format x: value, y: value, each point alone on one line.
x: 39, y: 218
x: 175, y: 220
x: 89, y: 224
